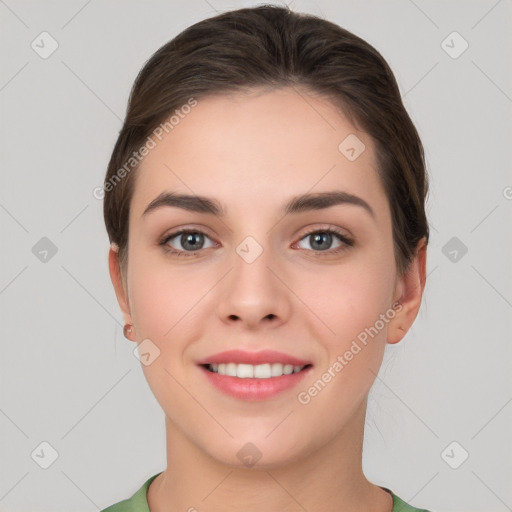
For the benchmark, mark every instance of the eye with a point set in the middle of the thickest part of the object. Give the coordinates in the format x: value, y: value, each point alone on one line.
x: 189, y: 240
x: 321, y: 240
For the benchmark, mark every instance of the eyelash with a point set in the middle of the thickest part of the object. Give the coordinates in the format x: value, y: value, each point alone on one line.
x: 346, y: 242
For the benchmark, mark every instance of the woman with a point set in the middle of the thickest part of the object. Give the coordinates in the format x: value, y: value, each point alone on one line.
x: 265, y: 207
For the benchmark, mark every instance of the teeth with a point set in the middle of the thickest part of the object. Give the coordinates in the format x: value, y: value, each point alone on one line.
x: 243, y: 371
x: 259, y: 371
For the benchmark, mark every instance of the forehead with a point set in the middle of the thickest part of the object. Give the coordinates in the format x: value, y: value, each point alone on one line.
x: 259, y: 147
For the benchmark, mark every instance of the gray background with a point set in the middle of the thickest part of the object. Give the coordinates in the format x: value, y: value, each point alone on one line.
x: 69, y: 378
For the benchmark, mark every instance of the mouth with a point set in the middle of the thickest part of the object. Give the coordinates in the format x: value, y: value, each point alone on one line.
x: 250, y: 371
x: 253, y: 376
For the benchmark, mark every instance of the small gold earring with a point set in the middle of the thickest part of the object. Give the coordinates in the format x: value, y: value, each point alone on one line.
x: 127, y: 330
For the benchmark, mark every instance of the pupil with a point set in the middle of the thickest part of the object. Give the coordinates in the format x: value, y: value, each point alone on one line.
x: 318, y: 237
x: 190, y: 238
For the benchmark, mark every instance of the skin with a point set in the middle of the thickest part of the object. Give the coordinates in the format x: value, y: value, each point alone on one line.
x: 252, y: 152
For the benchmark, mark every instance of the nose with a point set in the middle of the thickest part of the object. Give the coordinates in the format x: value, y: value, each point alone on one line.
x: 253, y: 294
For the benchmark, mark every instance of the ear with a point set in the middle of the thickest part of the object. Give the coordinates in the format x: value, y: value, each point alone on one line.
x: 408, y: 293
x: 117, y: 281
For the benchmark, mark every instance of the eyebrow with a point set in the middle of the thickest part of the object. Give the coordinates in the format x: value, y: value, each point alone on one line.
x: 297, y: 204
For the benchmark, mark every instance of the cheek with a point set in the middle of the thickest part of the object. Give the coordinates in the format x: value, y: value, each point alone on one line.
x: 349, y: 299
x: 157, y: 297
x: 354, y: 304
x: 152, y: 305
x: 167, y: 301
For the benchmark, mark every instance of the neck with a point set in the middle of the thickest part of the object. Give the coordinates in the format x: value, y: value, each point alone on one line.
x: 329, y: 478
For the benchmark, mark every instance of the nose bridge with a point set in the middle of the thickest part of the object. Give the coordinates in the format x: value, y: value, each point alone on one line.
x: 252, y: 278
x: 252, y: 292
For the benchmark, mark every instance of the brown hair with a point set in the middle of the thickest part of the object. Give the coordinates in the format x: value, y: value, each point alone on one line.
x: 269, y: 46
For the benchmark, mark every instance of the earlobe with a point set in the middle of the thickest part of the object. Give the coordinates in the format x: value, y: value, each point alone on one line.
x: 117, y: 282
x: 409, y: 294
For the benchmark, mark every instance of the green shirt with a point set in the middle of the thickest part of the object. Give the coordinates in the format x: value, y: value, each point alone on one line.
x: 139, y: 503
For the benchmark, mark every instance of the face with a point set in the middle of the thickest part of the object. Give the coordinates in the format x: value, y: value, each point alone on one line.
x: 255, y: 289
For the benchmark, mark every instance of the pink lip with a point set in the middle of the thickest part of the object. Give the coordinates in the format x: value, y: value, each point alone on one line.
x: 254, y: 389
x: 254, y: 358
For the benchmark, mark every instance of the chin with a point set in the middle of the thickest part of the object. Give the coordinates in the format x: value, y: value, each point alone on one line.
x: 257, y: 452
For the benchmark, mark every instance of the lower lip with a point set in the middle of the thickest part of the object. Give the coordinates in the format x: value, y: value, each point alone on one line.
x: 254, y: 389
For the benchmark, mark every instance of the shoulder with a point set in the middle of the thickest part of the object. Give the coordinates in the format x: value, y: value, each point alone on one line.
x: 121, y: 506
x: 137, y: 503
x: 399, y: 505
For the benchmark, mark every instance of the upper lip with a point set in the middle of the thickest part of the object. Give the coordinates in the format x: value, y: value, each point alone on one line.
x: 254, y: 358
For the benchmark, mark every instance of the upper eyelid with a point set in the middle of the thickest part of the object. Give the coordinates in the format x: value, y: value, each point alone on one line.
x: 344, y: 238
x: 329, y: 228
x: 188, y: 228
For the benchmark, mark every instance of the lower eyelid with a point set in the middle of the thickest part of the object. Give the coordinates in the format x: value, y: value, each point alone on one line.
x: 345, y: 242
x: 166, y: 239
